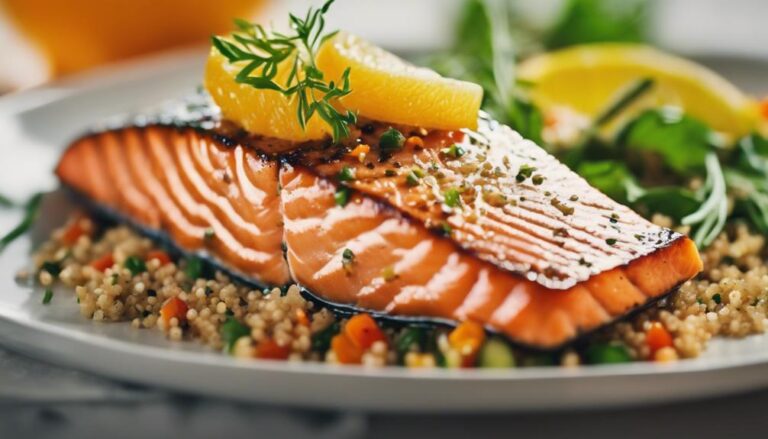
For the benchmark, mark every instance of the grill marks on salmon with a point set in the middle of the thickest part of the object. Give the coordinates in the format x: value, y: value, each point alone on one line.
x: 206, y: 196
x: 523, y: 269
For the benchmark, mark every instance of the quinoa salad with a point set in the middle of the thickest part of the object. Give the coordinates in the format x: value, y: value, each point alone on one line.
x: 434, y: 216
x: 118, y: 276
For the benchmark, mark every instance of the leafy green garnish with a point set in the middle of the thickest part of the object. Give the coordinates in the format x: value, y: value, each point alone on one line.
x: 321, y: 341
x: 391, y: 140
x: 346, y: 174
x: 193, y: 268
x: 452, y: 197
x: 52, y: 267
x: 259, y: 53
x: 593, y: 21
x: 341, y: 197
x: 48, y: 296
x: 682, y: 141
x: 135, y: 265
x: 231, y: 331
x: 31, y: 211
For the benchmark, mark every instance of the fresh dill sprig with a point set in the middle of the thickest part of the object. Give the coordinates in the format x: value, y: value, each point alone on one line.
x: 262, y: 51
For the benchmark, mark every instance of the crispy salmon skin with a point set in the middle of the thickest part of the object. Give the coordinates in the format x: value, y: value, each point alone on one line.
x: 482, y: 225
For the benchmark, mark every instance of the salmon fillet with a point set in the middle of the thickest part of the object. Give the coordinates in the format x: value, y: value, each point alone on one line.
x: 482, y: 226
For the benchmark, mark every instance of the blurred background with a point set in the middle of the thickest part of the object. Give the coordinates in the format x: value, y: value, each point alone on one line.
x: 43, y: 40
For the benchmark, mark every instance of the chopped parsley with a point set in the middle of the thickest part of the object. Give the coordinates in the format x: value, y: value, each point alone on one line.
x: 341, y: 197
x: 526, y: 171
x: 391, y: 140
x: 347, y: 258
x: 194, y: 268
x: 454, y: 151
x: 231, y: 331
x: 135, y: 265
x: 52, y: 267
x: 412, y: 178
x: 347, y: 174
x: 452, y: 197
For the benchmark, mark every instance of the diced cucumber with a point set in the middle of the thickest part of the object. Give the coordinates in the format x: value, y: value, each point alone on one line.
x: 496, y: 353
x: 607, y: 353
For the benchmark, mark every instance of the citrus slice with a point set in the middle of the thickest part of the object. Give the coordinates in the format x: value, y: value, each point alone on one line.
x: 587, y: 77
x: 265, y: 112
x: 384, y: 88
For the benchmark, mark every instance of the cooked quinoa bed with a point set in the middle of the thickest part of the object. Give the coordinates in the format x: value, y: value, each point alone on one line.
x: 118, y: 275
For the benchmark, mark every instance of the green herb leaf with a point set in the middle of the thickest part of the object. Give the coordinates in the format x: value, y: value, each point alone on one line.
x: 260, y: 52
x: 455, y: 151
x: 346, y: 174
x: 341, y: 197
x: 193, y: 268
x: 681, y: 141
x: 31, y: 210
x: 347, y: 258
x: 593, y: 21
x: 48, y: 296
x: 52, y: 267
x: 135, y: 265
x: 231, y: 331
x: 452, y: 197
x: 321, y: 341
x: 391, y: 140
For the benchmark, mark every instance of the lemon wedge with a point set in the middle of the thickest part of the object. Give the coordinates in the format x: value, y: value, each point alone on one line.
x: 585, y: 78
x: 384, y: 88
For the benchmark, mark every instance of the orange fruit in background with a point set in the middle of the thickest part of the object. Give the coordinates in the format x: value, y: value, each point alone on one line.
x: 77, y: 34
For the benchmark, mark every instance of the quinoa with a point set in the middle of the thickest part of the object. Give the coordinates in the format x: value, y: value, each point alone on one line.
x: 118, y: 275
x: 729, y: 298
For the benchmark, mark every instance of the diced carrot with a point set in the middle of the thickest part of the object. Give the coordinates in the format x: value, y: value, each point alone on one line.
x: 657, y: 337
x: 360, y: 150
x: 467, y: 339
x: 270, y: 350
x: 78, y: 227
x: 104, y: 262
x: 415, y: 141
x: 363, y: 331
x: 346, y: 351
x: 160, y: 256
x: 301, y: 317
x: 174, y: 307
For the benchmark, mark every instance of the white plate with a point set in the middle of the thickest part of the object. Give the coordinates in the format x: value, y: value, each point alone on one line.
x: 35, y: 125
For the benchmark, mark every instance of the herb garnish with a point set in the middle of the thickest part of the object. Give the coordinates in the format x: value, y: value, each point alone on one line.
x: 48, y: 296
x: 31, y: 210
x: 452, y: 197
x: 260, y: 52
x: 231, y: 331
x: 347, y: 258
x: 346, y: 174
x: 135, y: 265
x: 341, y: 197
x: 391, y: 140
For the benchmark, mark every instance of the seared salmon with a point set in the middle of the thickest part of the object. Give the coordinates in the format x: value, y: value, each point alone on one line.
x: 483, y: 225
